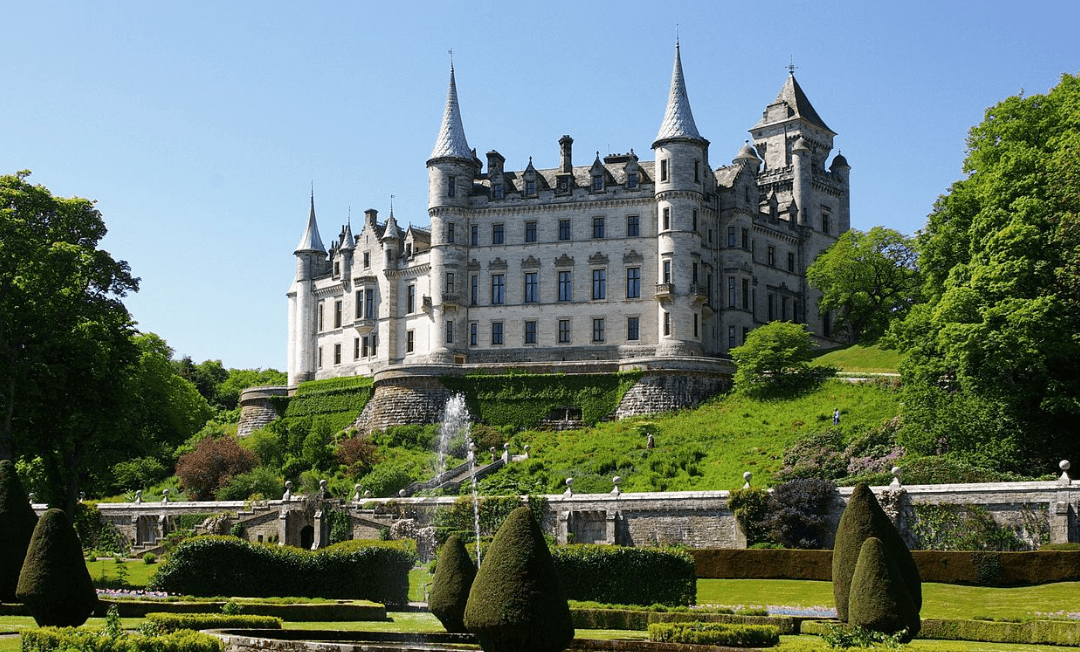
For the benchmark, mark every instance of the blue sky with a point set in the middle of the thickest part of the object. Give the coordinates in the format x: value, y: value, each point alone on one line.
x: 200, y: 127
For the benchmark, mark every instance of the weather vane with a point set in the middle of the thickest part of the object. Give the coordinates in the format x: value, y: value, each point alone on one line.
x: 791, y: 66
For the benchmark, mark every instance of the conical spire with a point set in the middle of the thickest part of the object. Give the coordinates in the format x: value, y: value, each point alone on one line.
x: 678, y: 119
x: 451, y: 142
x: 311, y: 240
x: 348, y: 242
x: 798, y: 106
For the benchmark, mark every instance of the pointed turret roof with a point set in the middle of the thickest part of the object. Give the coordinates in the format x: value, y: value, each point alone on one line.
x: 797, y: 103
x: 451, y: 142
x: 311, y: 240
x: 348, y: 242
x: 678, y: 119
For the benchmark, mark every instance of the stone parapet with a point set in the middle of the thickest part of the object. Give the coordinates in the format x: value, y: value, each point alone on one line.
x: 257, y: 409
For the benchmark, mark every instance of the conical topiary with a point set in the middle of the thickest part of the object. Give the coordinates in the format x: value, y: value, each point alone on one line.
x: 864, y: 518
x: 879, y: 599
x: 450, y: 587
x: 54, y: 584
x: 516, y: 604
x: 17, y: 521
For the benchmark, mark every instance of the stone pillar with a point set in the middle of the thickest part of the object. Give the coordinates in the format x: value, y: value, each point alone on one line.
x: 283, y: 524
x: 612, y: 524
x: 562, y: 534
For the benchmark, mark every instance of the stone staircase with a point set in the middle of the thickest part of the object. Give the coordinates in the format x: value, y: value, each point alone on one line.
x: 450, y: 481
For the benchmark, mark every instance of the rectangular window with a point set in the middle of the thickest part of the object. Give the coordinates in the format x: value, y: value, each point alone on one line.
x: 564, y: 331
x: 496, y: 234
x: 597, y: 227
x: 564, y: 229
x: 449, y: 332
x: 450, y: 232
x: 598, y: 182
x: 497, y: 192
x: 530, y: 187
x: 530, y: 287
x: 667, y: 218
x: 410, y: 299
x: 771, y: 256
x: 498, y: 289
x: 599, y: 284
x: 337, y: 269
x: 693, y: 217
x: 337, y: 314
x: 451, y: 186
x: 746, y: 238
x: 410, y: 340
x: 356, y: 348
x: 791, y: 262
x: 374, y: 345
x: 731, y: 236
x: 474, y: 235
x: 731, y: 337
x: 631, y: 180
x: 359, y: 307
x: 695, y: 324
x: 496, y: 333
x: 530, y: 332
x: 472, y: 333
x: 694, y: 276
x: 450, y: 282
x: 697, y: 171
x: 337, y: 354
x: 783, y: 308
x: 598, y: 330
x: 667, y: 323
x: 632, y: 226
x: 364, y: 347
x: 320, y: 357
x: 824, y: 222
x: 633, y: 282
x: 474, y: 289
x: 632, y: 330
x: 367, y: 260
x: 566, y: 288
x: 320, y: 316
x: 667, y: 271
x: 663, y: 170
x: 745, y: 332
x: 746, y: 294
x: 731, y: 292
x: 772, y: 303
x: 530, y: 232
x: 369, y: 304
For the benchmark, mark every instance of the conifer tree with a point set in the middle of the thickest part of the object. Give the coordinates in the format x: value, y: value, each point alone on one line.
x: 516, y: 604
x: 879, y: 599
x: 863, y: 518
x: 54, y: 584
x: 17, y: 521
x: 450, y: 587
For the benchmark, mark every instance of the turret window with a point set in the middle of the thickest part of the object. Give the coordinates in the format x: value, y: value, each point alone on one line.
x: 746, y: 238
x: 663, y: 170
x: 667, y: 218
x: 450, y: 282
x: 694, y: 219
x: 450, y: 232
x: 667, y: 271
x: 746, y: 294
x: 369, y: 305
x: 359, y: 312
x: 337, y: 269
x: 825, y: 223
x: 731, y: 292
x: 667, y: 323
x: 697, y: 171
x: 451, y: 187
x: 731, y: 236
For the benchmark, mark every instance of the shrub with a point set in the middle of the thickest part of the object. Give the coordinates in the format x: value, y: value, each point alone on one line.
x: 353, y: 570
x: 774, y: 362
x: 48, y: 639
x: 149, y: 558
x: 386, y: 479
x: 798, y: 512
x: 138, y: 473
x: 450, y: 586
x: 168, y: 622
x: 261, y: 480
x: 17, y: 521
x: 211, y: 465
x: 624, y: 575
x: 751, y: 507
x: 697, y: 633
x: 863, y: 518
x: 54, y: 583
x: 879, y: 599
x: 358, y: 453
x: 96, y: 533
x: 516, y: 604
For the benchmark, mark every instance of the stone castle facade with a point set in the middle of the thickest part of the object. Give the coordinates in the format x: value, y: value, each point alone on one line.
x: 616, y: 260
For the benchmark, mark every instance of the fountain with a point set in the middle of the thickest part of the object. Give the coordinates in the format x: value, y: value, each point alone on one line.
x: 455, y: 423
x: 475, y: 500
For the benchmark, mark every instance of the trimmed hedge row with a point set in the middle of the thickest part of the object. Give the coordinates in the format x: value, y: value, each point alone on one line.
x: 623, y: 575
x: 943, y: 566
x: 630, y: 619
x: 354, y: 570
x: 698, y: 633
x: 48, y: 639
x: 1033, y: 632
x: 291, y: 611
x: 168, y: 622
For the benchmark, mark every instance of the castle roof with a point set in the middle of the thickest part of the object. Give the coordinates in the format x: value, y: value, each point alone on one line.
x: 678, y: 118
x: 311, y: 241
x: 348, y: 242
x: 451, y: 142
x: 797, y: 105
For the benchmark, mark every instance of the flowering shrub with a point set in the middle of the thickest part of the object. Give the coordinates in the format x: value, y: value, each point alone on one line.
x: 211, y: 465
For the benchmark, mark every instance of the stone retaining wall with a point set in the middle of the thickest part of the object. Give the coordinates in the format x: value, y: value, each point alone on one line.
x: 256, y: 408
x: 667, y: 391
x: 403, y: 400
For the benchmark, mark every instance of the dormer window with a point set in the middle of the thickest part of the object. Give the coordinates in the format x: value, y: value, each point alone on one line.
x: 563, y: 184
x: 598, y: 182
x: 631, y: 181
x: 530, y: 187
x: 497, y: 191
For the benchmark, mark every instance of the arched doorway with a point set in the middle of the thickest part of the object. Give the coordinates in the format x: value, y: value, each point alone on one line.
x: 307, y: 537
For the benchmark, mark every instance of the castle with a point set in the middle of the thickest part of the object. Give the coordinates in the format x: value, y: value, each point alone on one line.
x: 621, y: 259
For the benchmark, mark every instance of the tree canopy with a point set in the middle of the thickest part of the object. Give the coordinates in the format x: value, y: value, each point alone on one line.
x: 774, y: 361
x: 998, y: 338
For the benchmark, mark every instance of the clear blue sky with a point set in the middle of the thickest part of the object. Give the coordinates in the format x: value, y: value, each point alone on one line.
x: 199, y: 127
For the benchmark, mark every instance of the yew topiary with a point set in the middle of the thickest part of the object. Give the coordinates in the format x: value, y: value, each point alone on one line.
x: 17, y: 521
x: 879, y: 599
x: 863, y: 518
x: 54, y: 584
x: 450, y: 587
x: 516, y: 604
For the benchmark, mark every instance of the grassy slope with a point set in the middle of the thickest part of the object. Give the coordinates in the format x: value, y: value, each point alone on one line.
x: 857, y: 358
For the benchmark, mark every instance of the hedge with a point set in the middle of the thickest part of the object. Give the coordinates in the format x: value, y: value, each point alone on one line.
x: 48, y: 639
x: 1033, y: 632
x: 291, y: 611
x: 624, y: 575
x: 227, y: 566
x: 639, y: 620
x: 999, y: 569
x: 168, y: 622
x: 698, y: 633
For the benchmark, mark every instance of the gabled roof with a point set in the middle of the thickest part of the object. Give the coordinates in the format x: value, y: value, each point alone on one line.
x: 311, y: 241
x: 798, y: 106
x: 451, y: 142
x: 678, y: 118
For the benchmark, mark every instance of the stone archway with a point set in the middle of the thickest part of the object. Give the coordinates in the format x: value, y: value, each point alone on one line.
x: 307, y: 537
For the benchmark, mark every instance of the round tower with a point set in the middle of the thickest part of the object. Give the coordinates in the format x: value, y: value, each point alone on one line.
x: 681, y: 166
x: 800, y: 181
x: 310, y: 258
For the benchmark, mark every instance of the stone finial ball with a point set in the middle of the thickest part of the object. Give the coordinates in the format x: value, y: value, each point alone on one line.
x: 746, y: 476
x: 288, y: 485
x: 357, y: 488
x: 569, y: 481
x: 506, y: 446
x: 616, y: 480
x: 895, y: 470
x: 1064, y: 465
x: 401, y: 492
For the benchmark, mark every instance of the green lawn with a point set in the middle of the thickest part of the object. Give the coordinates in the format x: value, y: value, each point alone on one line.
x: 861, y: 359
x: 139, y: 572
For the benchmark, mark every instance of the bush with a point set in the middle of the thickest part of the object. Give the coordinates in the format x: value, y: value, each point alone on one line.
x: 261, y: 480
x: 450, y: 586
x: 353, y: 570
x: 17, y: 521
x: 149, y: 558
x: 54, y: 583
x: 211, y: 465
x: 751, y: 507
x: 798, y: 512
x: 863, y: 518
x: 516, y: 603
x: 623, y: 575
x: 386, y: 479
x: 168, y: 622
x: 96, y: 533
x: 639, y: 618
x: 48, y: 639
x: 774, y: 362
x: 879, y: 599
x: 697, y: 633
